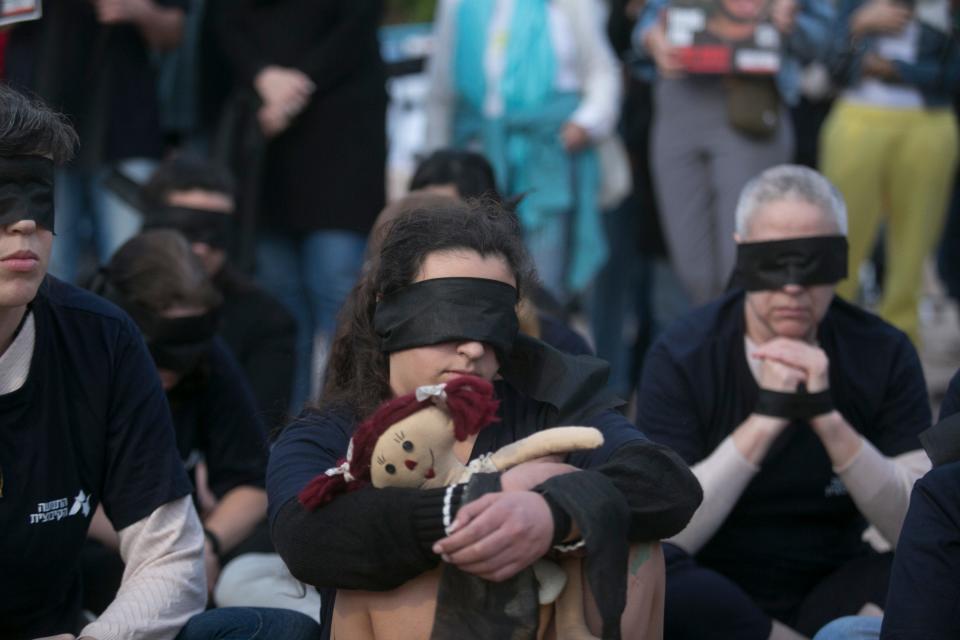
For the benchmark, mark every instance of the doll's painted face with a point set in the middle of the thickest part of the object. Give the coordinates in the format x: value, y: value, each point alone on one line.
x: 414, y: 450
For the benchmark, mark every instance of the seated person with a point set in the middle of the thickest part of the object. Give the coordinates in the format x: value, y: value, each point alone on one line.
x: 195, y: 197
x: 925, y: 579
x: 158, y: 280
x: 466, y: 175
x: 800, y: 414
x: 456, y: 173
x: 438, y: 301
x: 84, y: 425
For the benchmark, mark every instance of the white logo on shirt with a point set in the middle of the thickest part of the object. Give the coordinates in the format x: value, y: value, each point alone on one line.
x: 835, y: 489
x: 81, y: 501
x: 56, y: 510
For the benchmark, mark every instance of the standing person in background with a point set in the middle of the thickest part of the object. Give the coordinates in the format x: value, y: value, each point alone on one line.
x: 637, y: 292
x: 317, y: 70
x: 534, y: 86
x: 195, y: 197
x: 890, y: 143
x: 92, y: 60
x: 700, y: 159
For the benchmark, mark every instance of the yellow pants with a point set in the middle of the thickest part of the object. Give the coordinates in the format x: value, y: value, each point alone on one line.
x: 895, y: 165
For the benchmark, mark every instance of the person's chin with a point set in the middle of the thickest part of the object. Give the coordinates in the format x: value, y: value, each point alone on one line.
x: 792, y: 328
x: 19, y: 291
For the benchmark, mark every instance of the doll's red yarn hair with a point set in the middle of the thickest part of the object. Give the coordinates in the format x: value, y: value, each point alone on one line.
x: 469, y: 401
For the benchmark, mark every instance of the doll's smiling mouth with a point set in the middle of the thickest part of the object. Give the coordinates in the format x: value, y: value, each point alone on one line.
x: 430, y: 472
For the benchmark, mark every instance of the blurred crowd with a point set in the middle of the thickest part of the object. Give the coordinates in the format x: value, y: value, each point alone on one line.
x: 228, y: 193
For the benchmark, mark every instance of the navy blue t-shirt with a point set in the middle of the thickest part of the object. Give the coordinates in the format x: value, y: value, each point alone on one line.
x: 89, y: 426
x: 795, y: 522
x: 216, y: 419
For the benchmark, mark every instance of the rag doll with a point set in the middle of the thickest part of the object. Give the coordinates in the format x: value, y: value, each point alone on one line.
x: 410, y: 442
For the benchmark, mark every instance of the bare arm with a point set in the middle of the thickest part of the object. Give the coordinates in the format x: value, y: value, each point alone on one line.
x: 236, y: 515
x: 230, y: 521
x: 101, y: 530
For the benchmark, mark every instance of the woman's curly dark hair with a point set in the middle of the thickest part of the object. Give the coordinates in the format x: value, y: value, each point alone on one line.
x: 358, y: 372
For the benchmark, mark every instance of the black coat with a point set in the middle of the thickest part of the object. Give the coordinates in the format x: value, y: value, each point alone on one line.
x: 327, y: 170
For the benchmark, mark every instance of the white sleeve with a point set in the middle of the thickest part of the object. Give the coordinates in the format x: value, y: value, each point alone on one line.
x: 439, y: 106
x: 724, y: 474
x: 599, y: 110
x: 881, y: 486
x: 164, y: 582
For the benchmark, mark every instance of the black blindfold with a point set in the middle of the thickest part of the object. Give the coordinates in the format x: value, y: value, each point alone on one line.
x: 448, y: 309
x: 178, y: 344
x: 180, y: 359
x: 26, y: 190
x: 771, y: 265
x: 197, y: 225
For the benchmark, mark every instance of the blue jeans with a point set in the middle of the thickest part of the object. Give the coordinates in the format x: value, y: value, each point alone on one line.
x: 311, y: 274
x: 549, y: 249
x: 634, y: 296
x: 250, y: 623
x: 851, y: 628
x: 91, y: 221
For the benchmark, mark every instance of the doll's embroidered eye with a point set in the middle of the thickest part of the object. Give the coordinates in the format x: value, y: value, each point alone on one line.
x: 391, y: 469
x: 408, y: 446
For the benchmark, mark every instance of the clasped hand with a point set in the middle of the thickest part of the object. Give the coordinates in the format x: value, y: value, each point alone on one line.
x: 501, y: 533
x: 285, y: 93
x: 785, y: 363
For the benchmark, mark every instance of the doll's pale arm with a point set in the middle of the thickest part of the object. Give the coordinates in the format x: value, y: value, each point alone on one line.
x: 545, y: 443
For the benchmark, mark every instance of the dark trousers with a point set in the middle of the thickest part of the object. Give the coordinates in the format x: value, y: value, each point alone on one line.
x: 702, y: 604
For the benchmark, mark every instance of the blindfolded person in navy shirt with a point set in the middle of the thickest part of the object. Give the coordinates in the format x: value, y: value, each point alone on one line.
x: 83, y: 422
x: 800, y: 414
